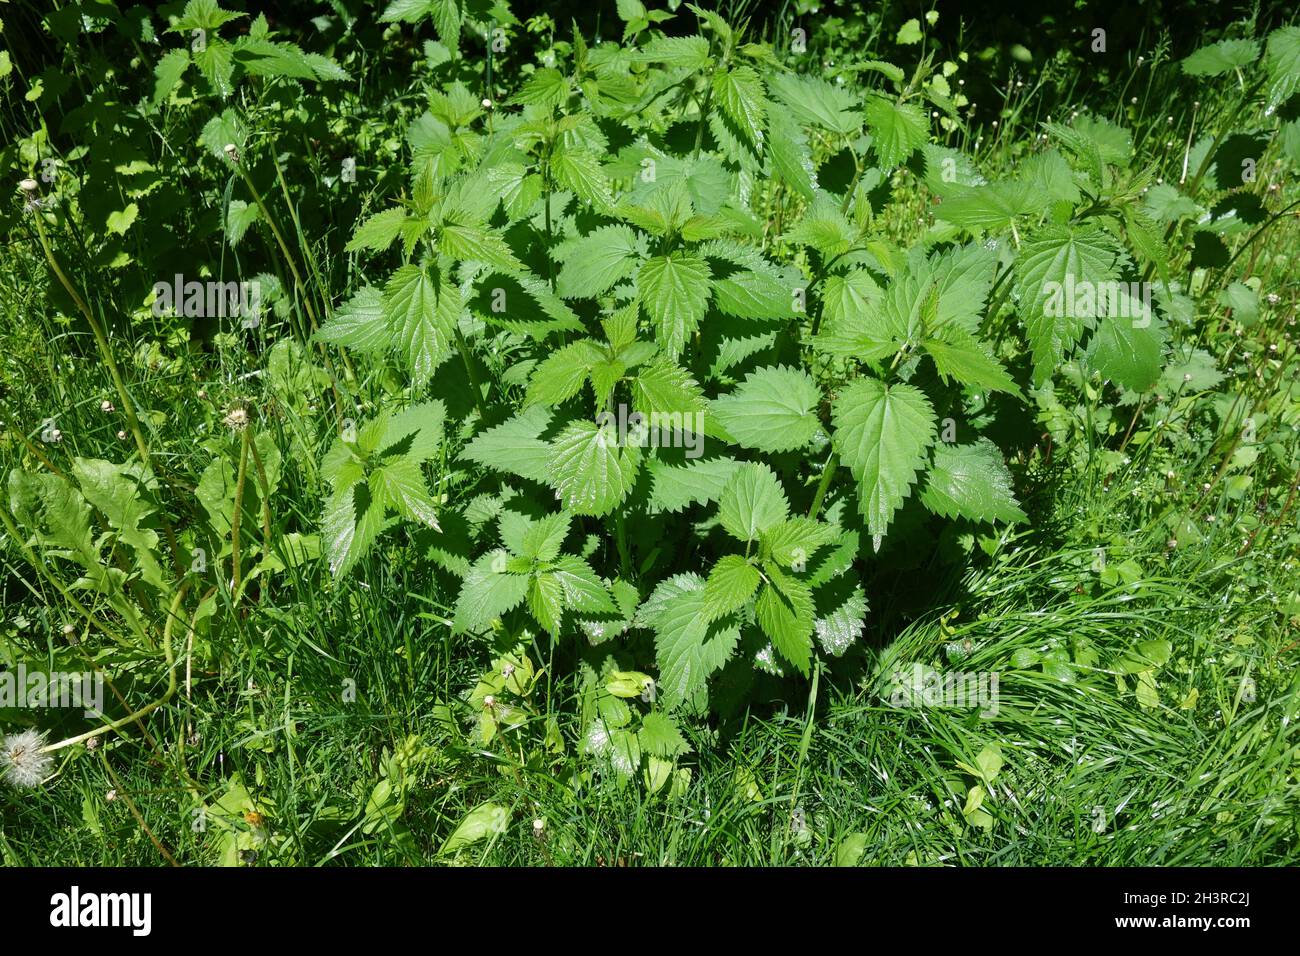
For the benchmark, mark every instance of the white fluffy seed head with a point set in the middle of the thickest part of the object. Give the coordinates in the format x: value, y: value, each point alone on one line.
x: 28, y: 186
x: 22, y: 761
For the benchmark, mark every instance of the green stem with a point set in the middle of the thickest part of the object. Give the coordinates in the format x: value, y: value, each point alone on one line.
x: 238, y: 513
x: 135, y: 716
x: 299, y: 285
x: 828, y: 472
x: 463, y: 348
x: 101, y: 340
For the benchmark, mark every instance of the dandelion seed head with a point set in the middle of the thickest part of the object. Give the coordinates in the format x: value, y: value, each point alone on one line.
x: 22, y: 761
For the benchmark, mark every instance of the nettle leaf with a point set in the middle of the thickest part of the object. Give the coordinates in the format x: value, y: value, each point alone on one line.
x: 203, y: 15
x: 379, y: 231
x: 546, y: 87
x: 971, y: 481
x: 793, y: 542
x: 752, y: 501
x: 838, y: 630
x: 1222, y: 57
x: 359, y: 323
x: 1050, y: 177
x: 1128, y: 348
x: 516, y: 446
x: 659, y: 736
x: 239, y: 217
x: 790, y: 154
x: 961, y: 356
x: 786, y: 613
x: 773, y: 409
x: 665, y: 392
x: 596, y: 262
x: 812, y: 101
x: 1282, y: 61
x: 752, y: 294
x: 824, y: 228
x: 216, y: 62
x: 689, y: 53
x: 675, y: 291
x: 445, y: 15
x: 580, y: 171
x: 488, y: 592
x: 688, y: 648
x: 167, y: 75
x: 739, y: 92
x: 583, y: 589
x: 422, y: 309
x: 990, y: 206
x: 546, y: 601
x: 882, y: 433
x: 378, y: 473
x: 897, y: 129
x: 590, y: 472
x: 473, y: 243
x: 561, y: 375
x: 730, y: 585
x: 541, y: 539
x: 1057, y: 270
x: 674, y: 487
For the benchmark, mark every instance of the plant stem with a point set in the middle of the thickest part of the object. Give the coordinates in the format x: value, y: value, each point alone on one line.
x: 101, y: 340
x: 828, y: 472
x: 299, y: 286
x: 135, y: 716
x: 265, y: 487
x: 463, y: 348
x: 238, y: 513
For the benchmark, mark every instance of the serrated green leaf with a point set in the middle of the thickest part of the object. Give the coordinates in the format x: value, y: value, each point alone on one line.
x: 659, y: 736
x: 515, y: 446
x: 488, y: 592
x: 897, y: 129
x: 739, y: 91
x: 359, y: 323
x: 731, y: 583
x: 589, y: 470
x: 971, y: 481
x: 752, y: 502
x: 1222, y: 57
x: 597, y: 261
x: 687, y: 648
x: 561, y: 375
x: 773, y: 409
x: 421, y: 310
x: 674, y: 290
x: 379, y: 231
x: 1052, y: 265
x: 881, y: 433
x: 785, y: 613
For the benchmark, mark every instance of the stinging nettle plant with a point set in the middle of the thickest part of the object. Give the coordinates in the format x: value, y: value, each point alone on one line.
x: 678, y: 228
x: 815, y: 363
